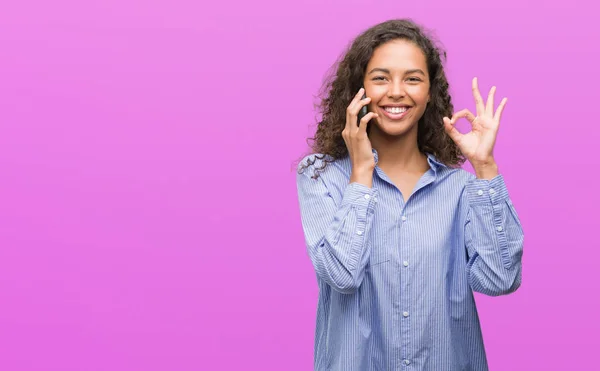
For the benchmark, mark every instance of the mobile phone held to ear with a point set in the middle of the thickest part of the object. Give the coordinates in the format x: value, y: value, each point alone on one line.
x: 363, y: 111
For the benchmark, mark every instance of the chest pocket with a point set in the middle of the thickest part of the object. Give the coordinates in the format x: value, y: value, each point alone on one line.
x: 383, y: 239
x: 378, y: 257
x: 381, y: 244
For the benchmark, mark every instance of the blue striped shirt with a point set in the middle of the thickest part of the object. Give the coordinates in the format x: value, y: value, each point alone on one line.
x: 396, y: 279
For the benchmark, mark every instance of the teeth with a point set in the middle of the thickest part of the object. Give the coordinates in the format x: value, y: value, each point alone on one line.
x: 396, y: 109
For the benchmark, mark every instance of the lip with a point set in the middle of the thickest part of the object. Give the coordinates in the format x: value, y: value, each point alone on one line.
x: 395, y: 116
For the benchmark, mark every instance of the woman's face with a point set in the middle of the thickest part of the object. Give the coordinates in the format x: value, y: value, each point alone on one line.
x: 397, y: 81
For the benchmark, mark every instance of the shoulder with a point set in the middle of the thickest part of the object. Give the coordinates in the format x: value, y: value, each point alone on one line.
x: 319, y: 165
x: 448, y: 174
x: 454, y: 180
x: 459, y: 175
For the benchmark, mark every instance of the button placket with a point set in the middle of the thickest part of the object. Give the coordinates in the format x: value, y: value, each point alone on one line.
x: 405, y: 324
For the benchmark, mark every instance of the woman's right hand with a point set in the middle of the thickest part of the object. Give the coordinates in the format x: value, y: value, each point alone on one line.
x: 357, y: 141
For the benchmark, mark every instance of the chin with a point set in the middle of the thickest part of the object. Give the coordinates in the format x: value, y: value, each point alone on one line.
x: 395, y: 128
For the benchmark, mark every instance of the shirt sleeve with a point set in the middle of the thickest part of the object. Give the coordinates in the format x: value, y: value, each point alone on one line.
x: 336, y: 233
x: 493, y: 238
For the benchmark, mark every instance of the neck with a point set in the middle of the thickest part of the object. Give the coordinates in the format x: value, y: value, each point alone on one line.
x: 399, y: 153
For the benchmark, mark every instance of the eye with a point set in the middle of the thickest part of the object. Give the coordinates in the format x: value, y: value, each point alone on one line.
x: 414, y: 79
x: 378, y: 78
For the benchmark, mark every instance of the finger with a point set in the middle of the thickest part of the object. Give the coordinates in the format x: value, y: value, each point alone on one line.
x: 365, y: 121
x: 478, y: 99
x: 356, y: 98
x: 463, y: 113
x: 353, y: 108
x: 454, y: 134
x: 489, y: 108
x: 352, y: 103
x: 356, y: 109
x: 360, y: 104
x: 498, y: 114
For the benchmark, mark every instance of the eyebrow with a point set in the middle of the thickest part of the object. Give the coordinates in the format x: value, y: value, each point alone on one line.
x: 385, y: 70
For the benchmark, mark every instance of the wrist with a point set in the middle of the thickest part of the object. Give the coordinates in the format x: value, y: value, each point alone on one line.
x: 486, y: 170
x: 364, y: 177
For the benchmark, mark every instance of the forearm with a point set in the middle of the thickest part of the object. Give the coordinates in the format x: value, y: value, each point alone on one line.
x: 336, y: 236
x: 494, y: 238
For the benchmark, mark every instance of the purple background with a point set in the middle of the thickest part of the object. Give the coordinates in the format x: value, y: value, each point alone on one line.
x: 148, y: 206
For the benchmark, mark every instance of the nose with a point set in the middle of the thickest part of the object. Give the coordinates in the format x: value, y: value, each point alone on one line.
x: 396, y: 90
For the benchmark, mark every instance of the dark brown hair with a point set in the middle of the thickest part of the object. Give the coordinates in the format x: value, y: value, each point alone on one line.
x: 340, y: 88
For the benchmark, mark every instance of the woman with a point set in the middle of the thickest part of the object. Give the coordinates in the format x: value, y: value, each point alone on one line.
x: 399, y: 235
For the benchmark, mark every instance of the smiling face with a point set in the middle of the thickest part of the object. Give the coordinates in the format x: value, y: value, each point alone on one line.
x: 397, y: 81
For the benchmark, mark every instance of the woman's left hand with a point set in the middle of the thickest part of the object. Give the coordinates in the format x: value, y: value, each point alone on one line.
x: 478, y: 144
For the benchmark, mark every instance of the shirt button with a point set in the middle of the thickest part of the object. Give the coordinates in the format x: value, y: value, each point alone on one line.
x: 480, y: 192
x: 405, y: 314
x: 492, y: 191
x: 406, y: 362
x: 499, y: 229
x: 359, y: 233
x: 367, y: 197
x: 403, y: 218
x: 405, y: 263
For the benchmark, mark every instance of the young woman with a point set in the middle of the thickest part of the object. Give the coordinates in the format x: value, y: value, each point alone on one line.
x: 399, y: 235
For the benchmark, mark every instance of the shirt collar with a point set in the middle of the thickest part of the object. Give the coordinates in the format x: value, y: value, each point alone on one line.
x: 376, y: 156
x: 434, y: 163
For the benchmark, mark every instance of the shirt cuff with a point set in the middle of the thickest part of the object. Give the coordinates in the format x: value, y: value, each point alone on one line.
x: 486, y: 192
x: 360, y: 195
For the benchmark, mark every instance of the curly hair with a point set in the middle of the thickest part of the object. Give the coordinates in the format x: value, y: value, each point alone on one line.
x: 340, y: 88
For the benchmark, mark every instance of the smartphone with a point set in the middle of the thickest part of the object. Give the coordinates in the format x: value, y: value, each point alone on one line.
x: 363, y: 111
